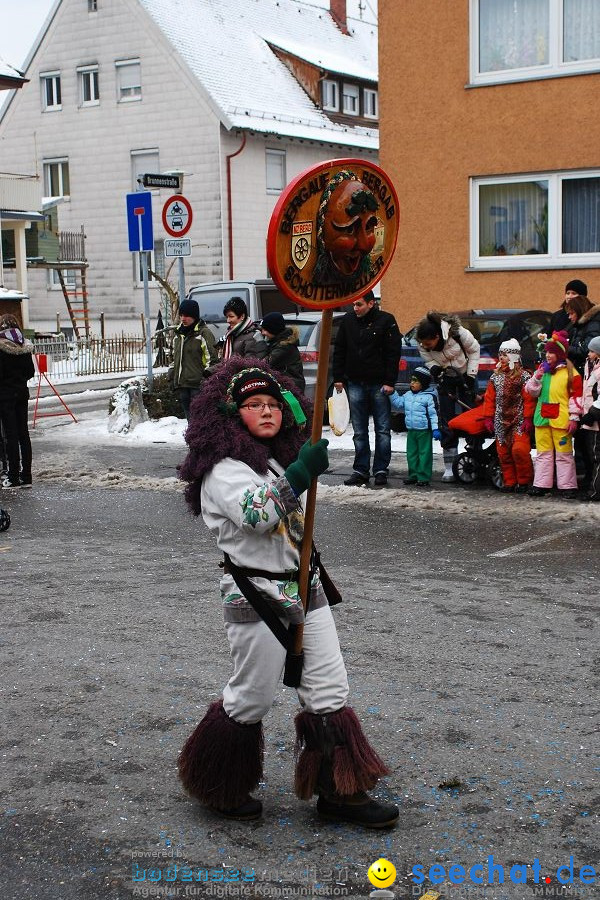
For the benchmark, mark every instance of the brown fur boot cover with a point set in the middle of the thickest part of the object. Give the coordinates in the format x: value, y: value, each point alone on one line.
x: 222, y: 760
x: 333, y: 754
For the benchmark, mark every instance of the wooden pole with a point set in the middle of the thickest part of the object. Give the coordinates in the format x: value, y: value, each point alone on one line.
x: 311, y: 499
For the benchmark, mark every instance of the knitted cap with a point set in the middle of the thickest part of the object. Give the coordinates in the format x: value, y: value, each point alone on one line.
x: 189, y: 308
x: 594, y: 345
x: 252, y: 381
x: 580, y: 287
x: 559, y: 344
x: 273, y: 322
x: 423, y: 376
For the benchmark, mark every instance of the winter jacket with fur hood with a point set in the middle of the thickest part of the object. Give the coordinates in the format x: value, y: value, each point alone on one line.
x: 451, y: 354
x: 16, y: 365
x: 283, y: 355
x: 580, y: 335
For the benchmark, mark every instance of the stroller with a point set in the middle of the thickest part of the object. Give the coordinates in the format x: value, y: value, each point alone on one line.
x: 476, y: 463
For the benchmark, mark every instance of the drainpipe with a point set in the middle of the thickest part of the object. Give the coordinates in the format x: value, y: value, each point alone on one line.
x: 229, y: 157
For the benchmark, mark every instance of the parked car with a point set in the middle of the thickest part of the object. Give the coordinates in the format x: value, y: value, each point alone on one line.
x: 490, y: 327
x: 309, y: 326
x: 261, y: 297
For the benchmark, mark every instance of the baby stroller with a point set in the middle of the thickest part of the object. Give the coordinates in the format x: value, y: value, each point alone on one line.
x: 476, y: 463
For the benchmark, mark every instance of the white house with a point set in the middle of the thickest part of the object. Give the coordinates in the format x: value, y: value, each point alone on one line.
x: 239, y: 95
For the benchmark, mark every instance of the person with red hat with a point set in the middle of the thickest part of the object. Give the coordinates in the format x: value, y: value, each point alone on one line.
x: 557, y: 386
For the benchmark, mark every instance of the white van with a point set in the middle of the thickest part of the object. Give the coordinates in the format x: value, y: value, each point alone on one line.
x: 261, y: 297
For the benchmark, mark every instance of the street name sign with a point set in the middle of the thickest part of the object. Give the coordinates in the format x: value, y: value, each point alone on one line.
x: 161, y: 181
x: 178, y: 247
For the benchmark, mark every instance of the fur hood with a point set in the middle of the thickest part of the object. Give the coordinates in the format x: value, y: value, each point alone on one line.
x: 289, y: 335
x: 216, y: 432
x: 592, y: 312
x: 12, y: 341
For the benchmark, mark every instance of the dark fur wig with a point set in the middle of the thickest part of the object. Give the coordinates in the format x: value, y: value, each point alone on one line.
x: 216, y: 430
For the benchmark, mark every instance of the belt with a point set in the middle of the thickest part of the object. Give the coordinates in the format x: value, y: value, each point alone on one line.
x: 292, y: 575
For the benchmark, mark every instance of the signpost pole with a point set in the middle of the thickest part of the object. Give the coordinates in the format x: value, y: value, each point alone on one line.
x: 181, y: 279
x: 144, y: 262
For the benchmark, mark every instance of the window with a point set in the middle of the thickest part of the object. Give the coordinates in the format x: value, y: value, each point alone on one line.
x: 156, y: 263
x: 515, y: 40
x: 143, y: 161
x: 69, y: 276
x: 129, y: 80
x: 89, y: 95
x: 536, y: 221
x: 92, y: 5
x: 56, y: 178
x: 371, y: 103
x: 331, y: 95
x: 275, y: 164
x: 51, y: 96
x: 350, y: 98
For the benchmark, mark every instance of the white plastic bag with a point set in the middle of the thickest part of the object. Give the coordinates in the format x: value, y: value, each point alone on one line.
x: 339, y: 412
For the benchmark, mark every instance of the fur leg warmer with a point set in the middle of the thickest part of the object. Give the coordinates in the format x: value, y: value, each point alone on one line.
x: 333, y: 755
x: 222, y: 760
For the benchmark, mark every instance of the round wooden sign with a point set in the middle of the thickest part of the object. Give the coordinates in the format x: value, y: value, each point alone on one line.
x: 333, y: 233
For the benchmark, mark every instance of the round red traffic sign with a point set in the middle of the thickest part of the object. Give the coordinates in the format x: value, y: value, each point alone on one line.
x: 177, y: 216
x: 333, y: 233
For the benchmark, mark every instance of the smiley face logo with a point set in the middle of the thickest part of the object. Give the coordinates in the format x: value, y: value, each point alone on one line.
x: 381, y: 873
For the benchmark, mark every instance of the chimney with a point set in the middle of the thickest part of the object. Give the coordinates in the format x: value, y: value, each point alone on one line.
x: 337, y: 10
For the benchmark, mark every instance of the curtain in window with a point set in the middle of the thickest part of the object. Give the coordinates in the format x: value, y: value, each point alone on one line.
x: 581, y: 30
x: 513, y: 34
x: 581, y: 215
x: 513, y: 218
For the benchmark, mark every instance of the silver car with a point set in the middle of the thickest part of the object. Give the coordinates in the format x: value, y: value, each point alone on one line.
x: 309, y: 326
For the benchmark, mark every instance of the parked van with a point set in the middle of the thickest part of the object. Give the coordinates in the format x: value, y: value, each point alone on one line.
x: 261, y: 297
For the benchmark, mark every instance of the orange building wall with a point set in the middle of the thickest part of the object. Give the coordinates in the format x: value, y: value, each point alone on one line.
x: 435, y: 133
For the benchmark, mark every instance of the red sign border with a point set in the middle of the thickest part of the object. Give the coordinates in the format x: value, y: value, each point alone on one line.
x: 273, y: 230
x: 188, y: 206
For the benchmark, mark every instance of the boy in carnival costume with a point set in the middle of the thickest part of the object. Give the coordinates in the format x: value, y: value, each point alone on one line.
x: 247, y: 466
x: 508, y: 412
x: 557, y: 386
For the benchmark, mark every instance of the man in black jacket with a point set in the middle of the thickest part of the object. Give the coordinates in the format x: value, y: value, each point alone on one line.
x: 366, y: 354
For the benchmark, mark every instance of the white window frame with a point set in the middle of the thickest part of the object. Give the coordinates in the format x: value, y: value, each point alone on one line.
x: 129, y: 93
x: 280, y: 155
x: 70, y: 278
x: 554, y: 258
x: 352, y: 91
x: 54, y: 78
x: 553, y: 69
x: 60, y: 162
x: 370, y: 95
x: 86, y: 73
x: 153, y: 165
x: 158, y: 251
x: 92, y: 6
x: 330, y: 87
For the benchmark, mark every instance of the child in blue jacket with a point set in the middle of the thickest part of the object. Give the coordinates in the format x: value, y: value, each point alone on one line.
x: 421, y: 418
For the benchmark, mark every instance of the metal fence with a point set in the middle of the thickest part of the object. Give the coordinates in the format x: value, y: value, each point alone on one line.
x: 92, y: 356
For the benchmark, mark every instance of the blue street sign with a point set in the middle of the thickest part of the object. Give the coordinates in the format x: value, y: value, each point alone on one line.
x: 139, y: 221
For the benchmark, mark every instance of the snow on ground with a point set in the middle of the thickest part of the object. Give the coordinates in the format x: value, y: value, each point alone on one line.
x: 92, y: 429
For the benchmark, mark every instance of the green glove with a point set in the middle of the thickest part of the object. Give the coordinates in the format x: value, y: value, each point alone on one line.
x: 312, y: 461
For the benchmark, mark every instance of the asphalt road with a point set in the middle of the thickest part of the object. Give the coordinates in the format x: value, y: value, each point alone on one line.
x: 469, y: 629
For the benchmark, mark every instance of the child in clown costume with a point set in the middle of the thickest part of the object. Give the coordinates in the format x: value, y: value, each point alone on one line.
x: 508, y: 411
x: 557, y: 386
x: 248, y: 464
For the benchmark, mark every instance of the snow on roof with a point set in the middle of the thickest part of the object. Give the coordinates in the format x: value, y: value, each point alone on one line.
x: 225, y: 43
x: 8, y: 72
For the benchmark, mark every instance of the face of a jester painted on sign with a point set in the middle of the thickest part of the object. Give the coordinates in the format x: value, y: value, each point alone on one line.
x: 333, y: 233
x: 345, y: 231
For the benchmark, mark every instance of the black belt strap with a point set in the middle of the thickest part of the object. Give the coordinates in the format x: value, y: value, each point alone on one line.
x: 257, y: 601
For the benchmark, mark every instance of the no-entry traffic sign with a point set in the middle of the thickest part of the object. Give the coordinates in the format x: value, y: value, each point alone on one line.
x: 177, y: 216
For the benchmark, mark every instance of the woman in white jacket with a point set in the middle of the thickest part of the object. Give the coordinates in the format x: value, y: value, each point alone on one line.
x: 451, y: 354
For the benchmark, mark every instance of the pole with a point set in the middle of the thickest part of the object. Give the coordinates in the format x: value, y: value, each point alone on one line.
x: 144, y: 260
x: 311, y: 499
x: 181, y: 280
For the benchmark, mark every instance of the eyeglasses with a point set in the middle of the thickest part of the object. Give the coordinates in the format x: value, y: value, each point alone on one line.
x: 255, y: 406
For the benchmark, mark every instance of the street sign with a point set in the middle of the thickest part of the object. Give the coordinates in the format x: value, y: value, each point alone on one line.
x: 161, y: 181
x: 177, y: 216
x: 139, y: 221
x: 178, y: 247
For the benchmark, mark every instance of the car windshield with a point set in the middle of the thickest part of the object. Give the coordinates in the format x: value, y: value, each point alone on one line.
x: 211, y: 302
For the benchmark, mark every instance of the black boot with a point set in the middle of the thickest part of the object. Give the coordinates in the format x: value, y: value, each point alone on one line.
x: 221, y: 762
x: 336, y: 761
